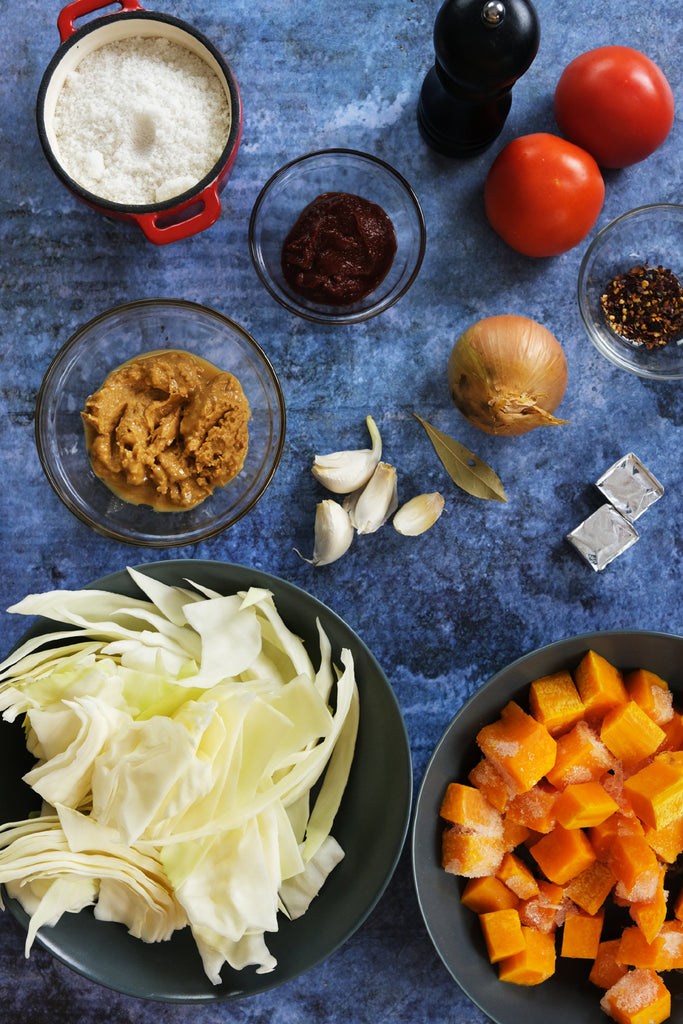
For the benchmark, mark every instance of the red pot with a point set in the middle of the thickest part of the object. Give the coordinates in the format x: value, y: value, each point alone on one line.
x: 173, y: 219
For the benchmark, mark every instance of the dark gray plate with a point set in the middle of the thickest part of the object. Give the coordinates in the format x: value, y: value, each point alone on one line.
x: 568, y: 997
x: 370, y: 827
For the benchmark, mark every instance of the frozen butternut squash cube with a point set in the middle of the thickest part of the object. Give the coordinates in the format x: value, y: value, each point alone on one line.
x: 534, y: 964
x: 581, y: 935
x: 555, y: 701
x: 544, y: 912
x: 656, y: 793
x: 600, y: 685
x: 468, y: 807
x: 606, y: 970
x: 470, y: 855
x: 502, y: 934
x: 652, y: 693
x: 563, y: 854
x: 581, y: 757
x: 583, y: 805
x: 590, y: 889
x: 482, y: 895
x: 521, y: 749
x: 640, y: 997
x: 630, y: 734
x: 517, y: 876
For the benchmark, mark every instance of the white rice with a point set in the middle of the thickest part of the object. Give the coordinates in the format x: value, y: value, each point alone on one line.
x: 141, y: 120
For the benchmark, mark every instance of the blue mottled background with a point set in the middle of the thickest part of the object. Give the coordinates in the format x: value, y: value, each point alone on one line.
x: 442, y: 612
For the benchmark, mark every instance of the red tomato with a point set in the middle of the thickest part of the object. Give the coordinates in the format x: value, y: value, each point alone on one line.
x: 616, y: 103
x: 543, y: 194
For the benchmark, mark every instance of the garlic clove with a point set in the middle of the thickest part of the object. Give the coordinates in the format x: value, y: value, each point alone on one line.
x: 370, y: 507
x: 418, y: 514
x: 344, y: 472
x: 333, y: 533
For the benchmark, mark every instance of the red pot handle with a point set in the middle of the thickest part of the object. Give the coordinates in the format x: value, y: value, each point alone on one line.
x: 79, y: 8
x: 160, y: 234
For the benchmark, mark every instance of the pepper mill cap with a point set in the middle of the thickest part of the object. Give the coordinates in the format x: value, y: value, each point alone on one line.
x: 483, y: 46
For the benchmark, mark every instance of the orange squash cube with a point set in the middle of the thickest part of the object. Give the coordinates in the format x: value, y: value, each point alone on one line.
x: 606, y: 969
x: 590, y: 889
x: 563, y: 854
x: 544, y: 912
x: 620, y: 824
x: 581, y: 757
x: 502, y: 931
x: 581, y: 935
x: 656, y: 793
x: 663, y: 953
x: 600, y: 685
x: 635, y: 866
x: 674, y: 732
x: 650, y: 915
x: 554, y: 701
x: 489, y: 782
x: 652, y: 693
x: 482, y: 895
x: 468, y: 807
x: 535, y: 809
x: 584, y: 805
x: 470, y: 855
x: 520, y: 748
x: 535, y: 964
x: 517, y: 876
x: 640, y: 997
x: 667, y: 842
x: 630, y: 734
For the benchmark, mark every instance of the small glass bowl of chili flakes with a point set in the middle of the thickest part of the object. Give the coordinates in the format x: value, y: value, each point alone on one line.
x: 631, y: 291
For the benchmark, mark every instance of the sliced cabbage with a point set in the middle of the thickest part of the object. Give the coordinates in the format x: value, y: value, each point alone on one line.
x: 191, y: 758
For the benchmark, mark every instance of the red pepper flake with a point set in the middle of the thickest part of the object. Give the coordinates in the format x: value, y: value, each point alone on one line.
x: 645, y: 305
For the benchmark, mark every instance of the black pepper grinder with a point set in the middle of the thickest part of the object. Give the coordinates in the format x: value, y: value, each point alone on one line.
x: 482, y: 47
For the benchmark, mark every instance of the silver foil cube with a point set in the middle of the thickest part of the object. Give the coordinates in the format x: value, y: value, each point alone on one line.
x: 630, y: 487
x: 602, y: 536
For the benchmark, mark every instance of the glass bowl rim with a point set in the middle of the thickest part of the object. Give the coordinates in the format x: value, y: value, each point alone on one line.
x: 373, y: 310
x: 165, y: 540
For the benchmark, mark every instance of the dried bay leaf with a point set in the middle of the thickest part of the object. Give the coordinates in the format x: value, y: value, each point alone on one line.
x: 465, y: 469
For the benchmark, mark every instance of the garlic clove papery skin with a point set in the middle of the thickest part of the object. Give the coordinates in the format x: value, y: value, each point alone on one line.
x: 370, y: 507
x: 345, y: 472
x: 418, y: 514
x: 333, y: 533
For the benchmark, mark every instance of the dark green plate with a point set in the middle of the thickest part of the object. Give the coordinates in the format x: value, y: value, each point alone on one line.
x: 371, y: 824
x: 568, y: 997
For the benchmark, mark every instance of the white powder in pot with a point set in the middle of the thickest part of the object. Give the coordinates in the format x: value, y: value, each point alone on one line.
x: 140, y: 121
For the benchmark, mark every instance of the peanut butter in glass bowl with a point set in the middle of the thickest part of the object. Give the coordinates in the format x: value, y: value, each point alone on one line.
x: 214, y: 436
x: 167, y: 428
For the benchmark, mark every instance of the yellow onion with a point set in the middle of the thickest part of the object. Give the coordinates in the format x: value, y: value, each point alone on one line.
x: 507, y: 375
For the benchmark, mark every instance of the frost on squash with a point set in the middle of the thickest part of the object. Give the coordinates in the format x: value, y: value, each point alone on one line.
x: 581, y: 757
x: 651, y: 693
x: 640, y: 997
x: 520, y: 748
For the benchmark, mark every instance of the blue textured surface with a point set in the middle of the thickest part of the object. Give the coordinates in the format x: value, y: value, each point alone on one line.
x: 442, y: 612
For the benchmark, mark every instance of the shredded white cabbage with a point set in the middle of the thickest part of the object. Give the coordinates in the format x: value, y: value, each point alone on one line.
x: 178, y: 738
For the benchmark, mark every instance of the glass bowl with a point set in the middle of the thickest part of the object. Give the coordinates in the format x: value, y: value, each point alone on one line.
x: 81, y: 366
x: 652, y: 234
x: 298, y: 183
x: 568, y: 996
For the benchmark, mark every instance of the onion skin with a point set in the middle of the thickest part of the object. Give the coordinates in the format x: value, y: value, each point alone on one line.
x: 507, y: 375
